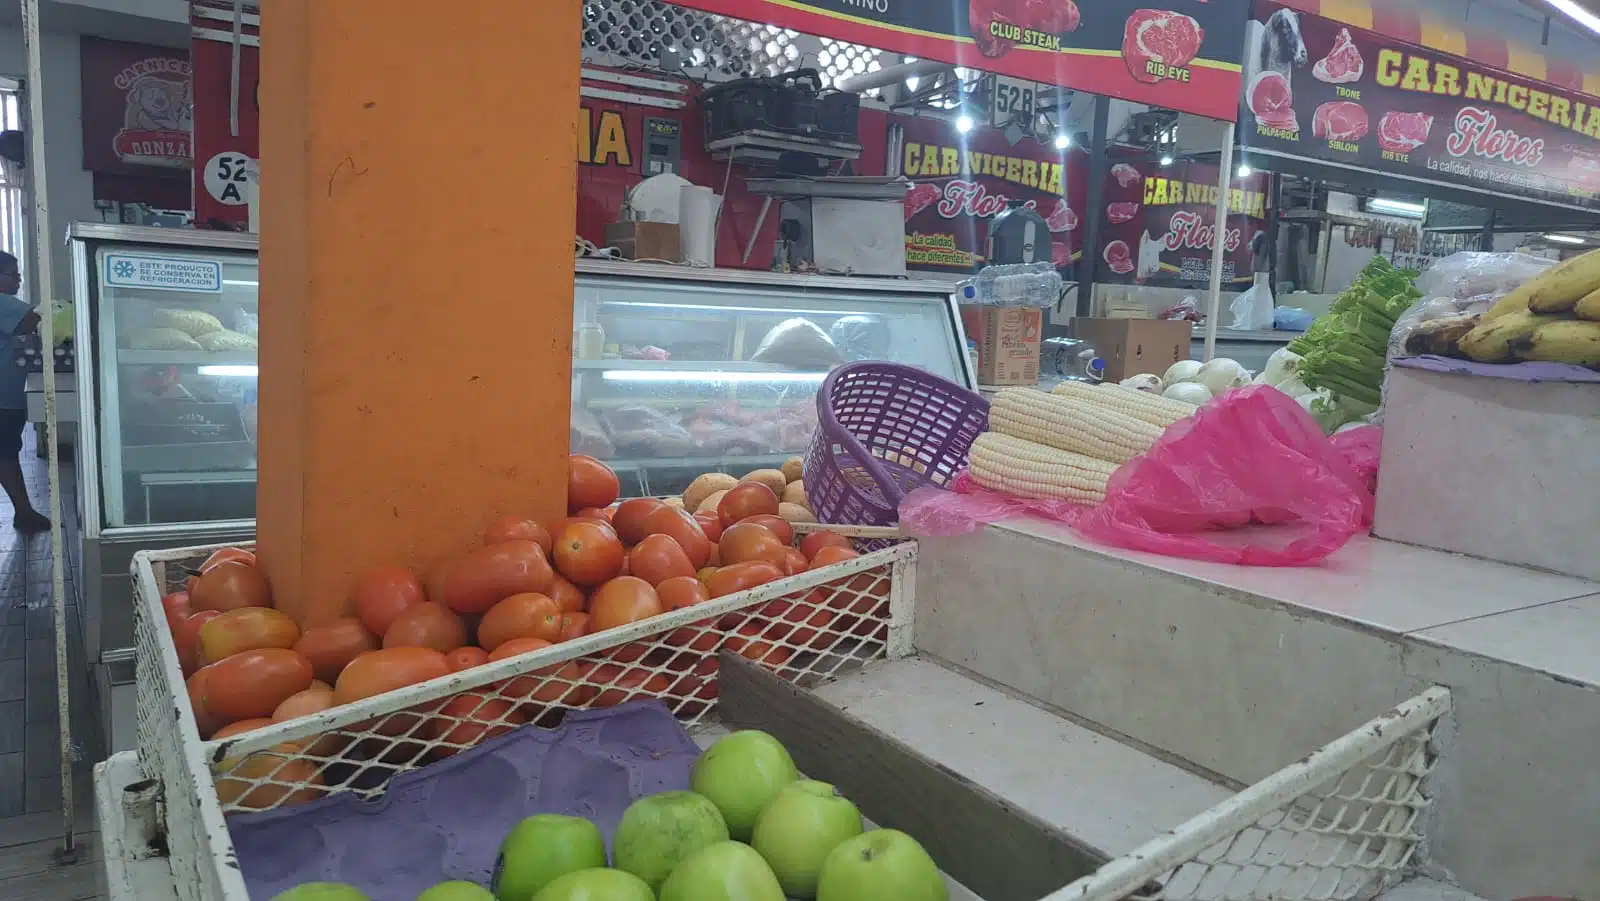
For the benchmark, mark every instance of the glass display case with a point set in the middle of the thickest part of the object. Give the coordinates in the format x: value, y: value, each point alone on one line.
x: 174, y: 375
x: 678, y: 371
x: 166, y: 381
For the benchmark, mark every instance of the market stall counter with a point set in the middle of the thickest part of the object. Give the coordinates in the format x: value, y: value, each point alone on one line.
x: 166, y: 370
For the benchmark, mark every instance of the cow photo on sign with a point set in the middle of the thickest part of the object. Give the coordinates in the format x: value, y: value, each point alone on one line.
x: 1273, y: 50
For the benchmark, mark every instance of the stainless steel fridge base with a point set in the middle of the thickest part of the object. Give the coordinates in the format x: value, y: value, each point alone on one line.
x: 118, y: 695
x: 108, y: 590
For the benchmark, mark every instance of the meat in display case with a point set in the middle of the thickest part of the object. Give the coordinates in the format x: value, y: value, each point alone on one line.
x: 680, y: 371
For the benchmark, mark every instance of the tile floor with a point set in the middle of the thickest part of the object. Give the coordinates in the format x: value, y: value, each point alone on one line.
x: 31, y: 823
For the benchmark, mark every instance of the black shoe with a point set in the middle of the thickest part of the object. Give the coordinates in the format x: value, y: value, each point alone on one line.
x: 31, y: 521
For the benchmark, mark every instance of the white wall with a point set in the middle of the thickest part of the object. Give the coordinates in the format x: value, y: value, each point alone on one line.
x: 71, y: 189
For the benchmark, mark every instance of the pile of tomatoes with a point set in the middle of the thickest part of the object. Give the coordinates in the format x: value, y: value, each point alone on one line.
x: 527, y: 586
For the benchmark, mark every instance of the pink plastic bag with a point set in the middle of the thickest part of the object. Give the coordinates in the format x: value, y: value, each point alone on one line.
x: 1252, y: 455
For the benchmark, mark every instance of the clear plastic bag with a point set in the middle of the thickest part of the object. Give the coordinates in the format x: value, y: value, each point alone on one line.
x: 1251, y: 456
x: 1472, y: 274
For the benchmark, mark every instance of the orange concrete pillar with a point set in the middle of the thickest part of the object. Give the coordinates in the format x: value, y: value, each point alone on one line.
x: 419, y: 200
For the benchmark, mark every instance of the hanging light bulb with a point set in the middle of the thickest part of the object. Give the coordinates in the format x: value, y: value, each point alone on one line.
x: 1245, y: 170
x: 964, y: 123
x: 1166, y: 159
x: 1063, y: 141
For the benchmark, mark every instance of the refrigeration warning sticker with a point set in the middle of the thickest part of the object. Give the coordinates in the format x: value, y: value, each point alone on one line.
x: 126, y: 270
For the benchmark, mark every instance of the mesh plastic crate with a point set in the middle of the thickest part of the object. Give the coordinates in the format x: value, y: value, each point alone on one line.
x: 804, y: 628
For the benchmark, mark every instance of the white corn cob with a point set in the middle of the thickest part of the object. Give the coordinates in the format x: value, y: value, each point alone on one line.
x: 1015, y: 466
x: 1067, y: 424
x: 1156, y: 410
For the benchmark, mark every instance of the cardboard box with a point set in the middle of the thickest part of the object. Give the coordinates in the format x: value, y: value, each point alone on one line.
x: 1134, y: 346
x: 645, y: 240
x: 1008, y: 342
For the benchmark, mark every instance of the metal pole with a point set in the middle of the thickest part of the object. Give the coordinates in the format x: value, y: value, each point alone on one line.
x: 1218, y: 236
x: 1089, y: 260
x: 44, y: 295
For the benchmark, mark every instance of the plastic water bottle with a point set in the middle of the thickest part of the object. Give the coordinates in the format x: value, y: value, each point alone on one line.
x: 1013, y: 285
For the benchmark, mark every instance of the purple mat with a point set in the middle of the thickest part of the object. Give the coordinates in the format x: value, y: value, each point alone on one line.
x: 445, y: 821
x: 1517, y: 372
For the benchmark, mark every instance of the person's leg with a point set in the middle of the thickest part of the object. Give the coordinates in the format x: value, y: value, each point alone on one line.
x: 12, y: 424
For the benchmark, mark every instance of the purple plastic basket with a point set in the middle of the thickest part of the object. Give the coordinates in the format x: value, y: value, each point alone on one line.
x: 882, y: 430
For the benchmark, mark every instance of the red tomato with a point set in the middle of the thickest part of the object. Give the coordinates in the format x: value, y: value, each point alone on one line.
x: 682, y: 528
x: 303, y: 703
x: 681, y: 592
x: 749, y: 644
x: 630, y: 516
x: 490, y: 574
x: 588, y: 553
x: 590, y: 483
x: 230, y: 586
x: 746, y: 541
x: 386, y: 669
x: 382, y: 592
x: 574, y: 625
x: 658, y: 558
x: 745, y: 500
x: 468, y: 719
x: 427, y: 625
x: 177, y: 607
x: 604, y: 513
x: 741, y: 576
x: 568, y: 597
x: 618, y: 685
x: 515, y: 528
x: 330, y: 648
x: 187, y: 639
x: 816, y: 541
x: 241, y: 727
x: 709, y: 524
x: 623, y: 600
x: 254, y: 683
x: 829, y: 555
x: 793, y: 561
x: 466, y: 658
x: 205, y: 722
x: 525, y: 615
x: 246, y: 629
x: 777, y: 525
x: 516, y: 647
x: 228, y: 555
x: 521, y: 687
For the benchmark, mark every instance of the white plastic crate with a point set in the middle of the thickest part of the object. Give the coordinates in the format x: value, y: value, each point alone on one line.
x: 804, y: 628
x: 1342, y: 824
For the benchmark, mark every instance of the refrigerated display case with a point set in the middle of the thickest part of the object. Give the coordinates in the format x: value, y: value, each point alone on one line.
x: 679, y: 371
x: 166, y: 376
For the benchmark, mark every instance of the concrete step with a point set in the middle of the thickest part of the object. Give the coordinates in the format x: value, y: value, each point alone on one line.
x: 1108, y: 795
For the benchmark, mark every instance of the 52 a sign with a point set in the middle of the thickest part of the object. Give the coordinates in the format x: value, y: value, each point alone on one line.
x: 226, y: 175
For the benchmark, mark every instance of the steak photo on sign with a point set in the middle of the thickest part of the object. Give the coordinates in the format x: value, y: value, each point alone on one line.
x: 1343, y: 64
x: 1055, y: 17
x: 1403, y: 132
x: 1339, y: 120
x: 1154, y: 40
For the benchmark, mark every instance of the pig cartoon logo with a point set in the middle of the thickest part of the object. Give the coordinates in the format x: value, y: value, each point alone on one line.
x: 159, y: 115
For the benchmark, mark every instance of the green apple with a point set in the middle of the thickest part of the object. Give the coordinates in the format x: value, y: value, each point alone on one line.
x: 542, y: 847
x: 596, y: 885
x: 725, y: 871
x: 456, y: 891
x: 883, y: 863
x: 741, y: 773
x: 321, y: 891
x: 659, y: 831
x: 806, y: 821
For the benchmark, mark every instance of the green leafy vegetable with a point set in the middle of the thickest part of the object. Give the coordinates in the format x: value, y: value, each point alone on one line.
x: 1345, y: 349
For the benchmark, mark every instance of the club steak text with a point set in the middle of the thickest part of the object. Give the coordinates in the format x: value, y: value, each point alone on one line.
x: 934, y: 161
x: 1410, y: 72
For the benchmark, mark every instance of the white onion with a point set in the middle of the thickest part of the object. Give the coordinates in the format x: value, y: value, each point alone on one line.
x: 1181, y: 371
x: 1283, y: 364
x: 1293, y: 387
x: 1221, y: 374
x: 1188, y: 392
x: 1144, y: 381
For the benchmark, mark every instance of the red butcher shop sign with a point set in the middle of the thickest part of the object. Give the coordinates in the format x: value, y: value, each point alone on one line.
x: 1178, y: 54
x: 1316, y: 89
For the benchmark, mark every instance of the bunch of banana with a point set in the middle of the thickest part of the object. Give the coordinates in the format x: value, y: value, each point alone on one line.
x: 1554, y: 317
